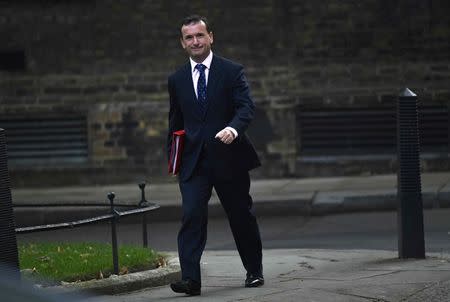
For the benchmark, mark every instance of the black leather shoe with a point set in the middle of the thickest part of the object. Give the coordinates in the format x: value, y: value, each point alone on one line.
x: 254, y: 281
x: 189, y: 287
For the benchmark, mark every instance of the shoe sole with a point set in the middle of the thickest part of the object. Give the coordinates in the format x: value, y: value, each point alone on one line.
x: 188, y: 292
x: 256, y: 283
x: 193, y: 293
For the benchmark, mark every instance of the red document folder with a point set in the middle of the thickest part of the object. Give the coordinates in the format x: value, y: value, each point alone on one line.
x: 176, y: 151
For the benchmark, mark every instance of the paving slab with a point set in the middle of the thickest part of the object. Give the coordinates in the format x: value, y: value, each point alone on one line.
x: 314, y: 275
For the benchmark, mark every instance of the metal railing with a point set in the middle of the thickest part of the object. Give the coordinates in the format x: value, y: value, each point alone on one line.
x: 143, y: 207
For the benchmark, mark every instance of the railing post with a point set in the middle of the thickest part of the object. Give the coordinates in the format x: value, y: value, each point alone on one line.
x: 143, y: 203
x: 410, y: 209
x: 9, y: 256
x: 115, y: 253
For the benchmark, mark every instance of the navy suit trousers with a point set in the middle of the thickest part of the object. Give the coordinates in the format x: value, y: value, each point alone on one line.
x: 237, y: 202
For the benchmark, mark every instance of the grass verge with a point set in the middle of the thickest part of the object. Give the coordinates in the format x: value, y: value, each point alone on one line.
x: 51, y: 263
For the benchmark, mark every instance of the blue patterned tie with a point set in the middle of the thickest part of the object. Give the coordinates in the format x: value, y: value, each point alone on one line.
x: 201, y: 85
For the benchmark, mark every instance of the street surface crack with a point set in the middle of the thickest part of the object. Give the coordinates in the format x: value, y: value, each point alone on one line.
x: 288, y: 273
x: 419, y: 291
x: 338, y: 280
x: 320, y: 258
x: 377, y: 275
x: 306, y: 265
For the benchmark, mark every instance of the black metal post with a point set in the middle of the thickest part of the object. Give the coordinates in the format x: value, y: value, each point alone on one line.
x: 115, y: 253
x: 411, y: 243
x: 143, y: 203
x: 9, y: 256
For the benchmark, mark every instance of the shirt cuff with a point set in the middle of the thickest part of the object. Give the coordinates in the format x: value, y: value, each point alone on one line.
x: 232, y: 130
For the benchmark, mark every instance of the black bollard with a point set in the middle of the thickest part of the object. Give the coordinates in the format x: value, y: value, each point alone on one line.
x: 411, y: 243
x: 115, y: 253
x: 9, y: 256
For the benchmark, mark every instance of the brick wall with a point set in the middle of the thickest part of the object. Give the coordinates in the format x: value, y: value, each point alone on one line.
x: 110, y: 60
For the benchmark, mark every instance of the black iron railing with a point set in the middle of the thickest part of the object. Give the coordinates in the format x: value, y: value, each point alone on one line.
x: 142, y: 208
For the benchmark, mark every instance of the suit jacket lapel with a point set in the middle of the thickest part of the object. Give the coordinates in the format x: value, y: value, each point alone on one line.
x: 215, y: 75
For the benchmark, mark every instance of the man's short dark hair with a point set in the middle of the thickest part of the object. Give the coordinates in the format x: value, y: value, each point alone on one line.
x: 192, y: 19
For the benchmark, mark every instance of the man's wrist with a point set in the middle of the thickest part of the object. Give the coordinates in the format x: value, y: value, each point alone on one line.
x: 232, y: 131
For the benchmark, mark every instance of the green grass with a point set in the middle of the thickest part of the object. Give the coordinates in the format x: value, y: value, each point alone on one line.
x: 81, y: 261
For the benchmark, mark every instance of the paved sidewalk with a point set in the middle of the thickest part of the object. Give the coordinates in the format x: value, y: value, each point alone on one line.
x: 291, y: 274
x: 306, y: 196
x: 316, y: 275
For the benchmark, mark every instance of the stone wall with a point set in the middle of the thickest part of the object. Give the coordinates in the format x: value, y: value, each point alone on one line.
x: 110, y: 60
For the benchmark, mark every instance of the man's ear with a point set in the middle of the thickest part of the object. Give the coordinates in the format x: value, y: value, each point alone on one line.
x: 182, y: 43
x: 211, y: 37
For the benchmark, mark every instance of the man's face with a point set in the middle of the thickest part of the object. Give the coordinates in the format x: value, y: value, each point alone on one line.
x: 196, y: 40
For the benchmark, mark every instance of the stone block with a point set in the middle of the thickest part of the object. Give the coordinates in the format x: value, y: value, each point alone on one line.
x: 113, y: 79
x: 20, y: 81
x: 100, y: 89
x: 124, y: 97
x: 141, y: 88
x: 13, y: 101
x: 311, y: 101
x: 62, y: 90
x: 389, y: 70
x: 336, y: 70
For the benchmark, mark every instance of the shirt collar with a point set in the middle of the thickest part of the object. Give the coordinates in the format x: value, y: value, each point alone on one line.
x: 206, y: 62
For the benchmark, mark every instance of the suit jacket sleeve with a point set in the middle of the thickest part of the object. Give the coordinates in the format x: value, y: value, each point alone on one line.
x: 243, y: 104
x: 176, y: 121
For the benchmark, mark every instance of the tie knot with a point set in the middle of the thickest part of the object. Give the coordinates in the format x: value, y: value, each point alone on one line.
x: 200, y: 67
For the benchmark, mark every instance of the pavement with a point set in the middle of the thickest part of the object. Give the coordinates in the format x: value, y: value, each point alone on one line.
x: 315, y: 275
x: 291, y: 274
x: 272, y: 197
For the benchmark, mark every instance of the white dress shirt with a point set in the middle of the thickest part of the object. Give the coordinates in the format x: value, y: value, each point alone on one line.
x: 196, y: 75
x: 196, y: 72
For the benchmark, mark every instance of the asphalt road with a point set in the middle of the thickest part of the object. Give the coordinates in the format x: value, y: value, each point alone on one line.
x: 375, y: 230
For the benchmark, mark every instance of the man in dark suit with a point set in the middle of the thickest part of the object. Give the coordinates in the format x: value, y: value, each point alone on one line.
x: 210, y: 100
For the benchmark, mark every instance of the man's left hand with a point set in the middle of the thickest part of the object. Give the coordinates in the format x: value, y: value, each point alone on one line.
x: 225, y: 136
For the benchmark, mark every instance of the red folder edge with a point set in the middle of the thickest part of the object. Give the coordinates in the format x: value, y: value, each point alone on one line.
x: 176, y: 151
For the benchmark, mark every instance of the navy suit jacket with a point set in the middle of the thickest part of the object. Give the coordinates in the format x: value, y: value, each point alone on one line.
x: 228, y: 104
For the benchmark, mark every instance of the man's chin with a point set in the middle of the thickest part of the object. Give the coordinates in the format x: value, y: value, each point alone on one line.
x: 198, y: 57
